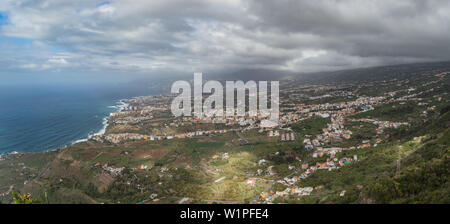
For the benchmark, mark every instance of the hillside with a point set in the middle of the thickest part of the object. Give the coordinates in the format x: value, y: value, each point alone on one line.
x: 378, y: 135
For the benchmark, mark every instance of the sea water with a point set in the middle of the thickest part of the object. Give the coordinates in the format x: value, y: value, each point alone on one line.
x: 41, y: 118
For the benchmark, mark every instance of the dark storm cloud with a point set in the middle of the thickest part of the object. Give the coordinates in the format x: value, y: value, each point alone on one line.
x: 362, y: 28
x: 290, y: 35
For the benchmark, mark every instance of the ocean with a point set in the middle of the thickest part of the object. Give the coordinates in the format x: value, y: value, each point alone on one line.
x: 48, y: 117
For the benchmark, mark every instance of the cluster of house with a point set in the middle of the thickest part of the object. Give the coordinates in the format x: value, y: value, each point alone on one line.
x: 117, y: 138
x: 268, y: 172
x: 335, y: 132
x: 388, y: 124
x: 296, y: 112
x: 122, y: 137
x: 332, y: 151
x: 382, y: 124
x: 157, y: 102
x: 121, y: 113
x: 268, y: 197
x: 287, y: 137
x: 309, y: 170
x: 272, y: 133
x: 209, y: 117
x: 299, y: 112
x: 413, y: 96
x: 132, y: 119
x: 136, y: 110
x: 331, y: 164
x: 114, y: 171
x: 337, y: 93
x: 335, y: 163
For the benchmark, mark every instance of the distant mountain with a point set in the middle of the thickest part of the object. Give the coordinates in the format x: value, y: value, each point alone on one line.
x: 374, y: 73
x: 252, y: 74
x: 162, y: 83
x: 380, y: 73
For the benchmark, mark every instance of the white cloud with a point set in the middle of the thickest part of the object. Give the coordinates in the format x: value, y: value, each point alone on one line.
x: 58, y: 61
x: 206, y: 35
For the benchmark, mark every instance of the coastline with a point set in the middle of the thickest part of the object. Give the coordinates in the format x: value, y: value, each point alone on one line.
x: 120, y: 106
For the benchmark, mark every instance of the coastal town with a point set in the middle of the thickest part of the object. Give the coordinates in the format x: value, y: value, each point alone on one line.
x: 321, y: 146
x: 242, y: 159
x: 242, y: 102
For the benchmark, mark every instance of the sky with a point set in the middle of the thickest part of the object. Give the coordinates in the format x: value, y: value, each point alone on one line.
x: 44, y: 39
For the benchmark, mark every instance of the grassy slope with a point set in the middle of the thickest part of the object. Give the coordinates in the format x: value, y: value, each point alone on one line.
x: 422, y: 177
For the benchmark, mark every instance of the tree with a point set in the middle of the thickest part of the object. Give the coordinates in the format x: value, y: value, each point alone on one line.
x: 19, y: 198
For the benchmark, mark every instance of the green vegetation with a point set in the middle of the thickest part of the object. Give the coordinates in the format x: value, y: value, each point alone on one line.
x: 311, y: 126
x: 19, y: 198
x: 393, y: 112
x: 416, y: 171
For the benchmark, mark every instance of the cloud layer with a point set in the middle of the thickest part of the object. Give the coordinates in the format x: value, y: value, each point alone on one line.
x: 205, y: 35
